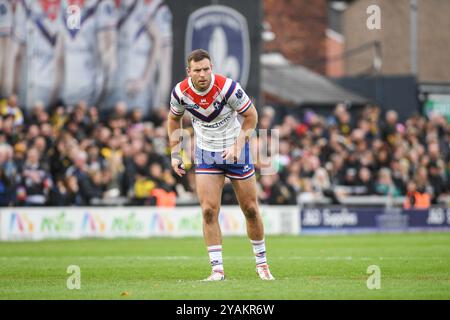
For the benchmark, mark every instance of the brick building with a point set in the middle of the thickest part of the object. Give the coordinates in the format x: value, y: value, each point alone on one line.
x: 300, y: 31
x: 307, y: 35
x: 433, y: 38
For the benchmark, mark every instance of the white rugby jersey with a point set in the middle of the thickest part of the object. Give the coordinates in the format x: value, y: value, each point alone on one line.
x: 36, y: 25
x: 83, y: 75
x: 136, y: 47
x: 213, y: 112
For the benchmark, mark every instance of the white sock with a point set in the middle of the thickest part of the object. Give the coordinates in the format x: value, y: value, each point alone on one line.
x: 215, y: 257
x: 259, y: 249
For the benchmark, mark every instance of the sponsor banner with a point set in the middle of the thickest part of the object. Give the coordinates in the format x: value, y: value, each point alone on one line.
x: 134, y: 222
x: 437, y: 104
x: 114, y: 223
x: 152, y: 39
x: 433, y: 218
x: 341, y: 219
x: 37, y: 224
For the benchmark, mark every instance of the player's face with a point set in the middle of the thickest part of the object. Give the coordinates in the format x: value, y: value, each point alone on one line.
x: 200, y: 73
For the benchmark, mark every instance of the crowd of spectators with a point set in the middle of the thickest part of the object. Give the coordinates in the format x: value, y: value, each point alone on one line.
x: 73, y: 155
x: 361, y: 153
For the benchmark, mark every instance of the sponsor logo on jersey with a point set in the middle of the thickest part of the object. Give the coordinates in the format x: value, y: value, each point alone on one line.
x: 204, y: 102
x: 239, y: 94
x: 216, y: 124
x: 191, y: 106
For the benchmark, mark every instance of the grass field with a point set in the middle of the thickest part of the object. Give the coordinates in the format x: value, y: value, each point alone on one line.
x: 413, y: 266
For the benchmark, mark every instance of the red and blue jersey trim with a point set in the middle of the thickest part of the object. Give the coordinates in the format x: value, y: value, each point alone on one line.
x: 245, y: 107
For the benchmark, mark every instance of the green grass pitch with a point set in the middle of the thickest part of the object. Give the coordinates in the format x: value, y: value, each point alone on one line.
x: 413, y: 266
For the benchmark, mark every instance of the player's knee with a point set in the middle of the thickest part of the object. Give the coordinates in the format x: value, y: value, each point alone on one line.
x: 210, y: 215
x: 250, y: 211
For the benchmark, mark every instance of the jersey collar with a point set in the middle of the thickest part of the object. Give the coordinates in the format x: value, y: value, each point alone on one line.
x: 202, y: 93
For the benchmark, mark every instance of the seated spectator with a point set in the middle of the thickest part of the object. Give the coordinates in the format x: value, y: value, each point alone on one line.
x: 65, y: 193
x: 321, y: 184
x: 416, y: 199
x: 130, y: 157
x: 350, y: 177
x: 282, y: 193
x: 389, y: 128
x: 34, y: 182
x: 6, y: 190
x: 276, y: 192
x: 11, y: 108
x: 436, y: 181
x: 384, y: 185
x: 365, y: 180
x: 142, y: 191
x: 164, y: 198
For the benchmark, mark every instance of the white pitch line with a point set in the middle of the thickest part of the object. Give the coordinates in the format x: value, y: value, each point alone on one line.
x: 249, y: 257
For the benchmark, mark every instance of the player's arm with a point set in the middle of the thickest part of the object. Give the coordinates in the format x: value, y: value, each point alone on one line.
x: 3, y: 54
x: 107, y: 40
x: 174, y: 127
x: 174, y: 131
x: 164, y: 56
x: 248, y: 126
x: 59, y: 68
x: 16, y: 52
x: 13, y: 68
x: 242, y: 104
x: 137, y: 85
x: 107, y: 36
x: 165, y: 69
x: 250, y: 120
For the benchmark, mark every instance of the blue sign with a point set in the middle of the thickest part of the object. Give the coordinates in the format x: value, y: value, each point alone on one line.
x: 223, y: 32
x: 343, y: 220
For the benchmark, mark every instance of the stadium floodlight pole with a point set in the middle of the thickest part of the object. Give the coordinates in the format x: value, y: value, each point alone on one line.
x: 414, y: 7
x: 29, y: 77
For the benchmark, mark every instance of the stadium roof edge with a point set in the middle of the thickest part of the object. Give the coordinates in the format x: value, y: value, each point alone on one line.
x: 301, y: 86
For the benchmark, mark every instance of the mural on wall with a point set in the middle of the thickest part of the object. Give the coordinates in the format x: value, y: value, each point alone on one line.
x: 61, y: 52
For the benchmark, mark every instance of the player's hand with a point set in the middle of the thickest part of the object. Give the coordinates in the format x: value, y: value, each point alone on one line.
x: 232, y: 153
x: 177, y: 164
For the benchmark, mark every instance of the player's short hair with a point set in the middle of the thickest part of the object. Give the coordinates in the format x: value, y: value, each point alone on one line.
x: 198, y: 55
